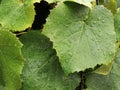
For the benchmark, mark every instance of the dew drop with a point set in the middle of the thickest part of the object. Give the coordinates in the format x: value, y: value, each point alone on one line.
x: 86, y: 17
x: 94, y: 22
x: 100, y: 34
x: 103, y: 21
x: 15, y: 45
x: 99, y: 18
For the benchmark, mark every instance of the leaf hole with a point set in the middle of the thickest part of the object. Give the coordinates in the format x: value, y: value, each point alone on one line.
x: 42, y: 10
x: 82, y: 84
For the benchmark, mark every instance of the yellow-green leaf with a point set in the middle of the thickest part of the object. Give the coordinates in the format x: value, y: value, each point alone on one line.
x: 11, y: 61
x: 105, y: 82
x: 17, y: 15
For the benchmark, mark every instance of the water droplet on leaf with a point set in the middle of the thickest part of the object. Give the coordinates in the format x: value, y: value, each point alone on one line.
x: 99, y: 18
x: 103, y: 21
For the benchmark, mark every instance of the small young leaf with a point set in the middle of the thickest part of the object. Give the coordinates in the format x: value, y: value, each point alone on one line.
x: 11, y: 61
x: 42, y: 70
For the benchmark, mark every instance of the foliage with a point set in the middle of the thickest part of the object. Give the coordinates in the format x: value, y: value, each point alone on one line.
x: 76, y: 49
x: 75, y: 39
x: 44, y: 65
x: 106, y: 82
x: 11, y: 61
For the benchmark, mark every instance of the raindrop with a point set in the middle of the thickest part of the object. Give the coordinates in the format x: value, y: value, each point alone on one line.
x: 99, y: 18
x: 94, y: 22
x: 15, y: 45
x: 100, y: 34
x: 103, y: 21
x: 86, y: 17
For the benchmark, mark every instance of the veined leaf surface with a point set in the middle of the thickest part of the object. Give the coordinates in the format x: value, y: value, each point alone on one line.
x: 105, y: 82
x: 17, y: 15
x: 82, y: 38
x: 42, y: 70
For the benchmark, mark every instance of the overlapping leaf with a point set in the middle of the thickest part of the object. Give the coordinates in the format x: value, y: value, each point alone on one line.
x: 110, y: 4
x: 87, y: 3
x: 105, y: 82
x: 17, y: 15
x: 104, y: 69
x: 11, y: 61
x: 81, y: 40
x: 42, y: 70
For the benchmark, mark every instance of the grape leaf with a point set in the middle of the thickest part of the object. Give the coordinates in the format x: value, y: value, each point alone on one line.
x: 110, y: 4
x: 17, y: 15
x: 42, y: 70
x: 11, y: 61
x: 87, y: 3
x: 105, y: 82
x: 81, y: 40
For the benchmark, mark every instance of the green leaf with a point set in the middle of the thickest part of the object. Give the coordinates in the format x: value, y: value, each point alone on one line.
x: 117, y: 24
x: 11, y: 61
x: 118, y: 3
x: 42, y: 70
x: 110, y: 4
x: 81, y: 40
x: 105, y: 82
x: 83, y: 2
x: 17, y: 15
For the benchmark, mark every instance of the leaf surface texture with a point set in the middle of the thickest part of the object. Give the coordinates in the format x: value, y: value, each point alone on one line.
x: 82, y: 38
